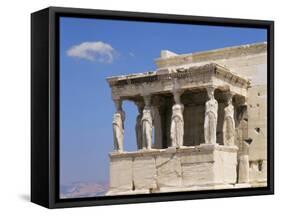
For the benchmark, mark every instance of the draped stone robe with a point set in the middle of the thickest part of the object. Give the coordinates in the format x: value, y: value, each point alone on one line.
x: 210, y: 123
x: 228, y: 126
x: 177, y: 126
x: 118, y: 131
x: 147, y: 128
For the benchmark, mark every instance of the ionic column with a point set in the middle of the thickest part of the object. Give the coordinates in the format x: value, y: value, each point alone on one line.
x: 138, y: 127
x: 118, y: 126
x: 211, y: 117
x: 177, y: 122
x: 146, y: 123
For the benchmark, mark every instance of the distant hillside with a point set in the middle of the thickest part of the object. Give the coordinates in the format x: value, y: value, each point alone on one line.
x: 83, y: 189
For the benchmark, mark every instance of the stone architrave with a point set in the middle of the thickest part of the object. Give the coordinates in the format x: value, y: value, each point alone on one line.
x: 146, y: 124
x: 211, y: 116
x: 229, y: 124
x: 118, y: 131
x: 177, y: 125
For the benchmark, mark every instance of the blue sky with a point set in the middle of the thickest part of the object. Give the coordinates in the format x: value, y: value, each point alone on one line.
x: 93, y: 49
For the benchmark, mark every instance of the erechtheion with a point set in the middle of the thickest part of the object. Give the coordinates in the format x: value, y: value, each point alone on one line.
x: 208, y: 113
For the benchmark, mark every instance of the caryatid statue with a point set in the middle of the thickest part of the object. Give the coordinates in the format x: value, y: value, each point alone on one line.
x: 211, y: 116
x: 146, y: 124
x: 118, y: 126
x: 118, y: 131
x: 228, y: 123
x: 177, y: 125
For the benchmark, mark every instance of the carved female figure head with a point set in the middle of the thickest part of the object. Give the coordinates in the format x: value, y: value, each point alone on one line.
x: 210, y: 92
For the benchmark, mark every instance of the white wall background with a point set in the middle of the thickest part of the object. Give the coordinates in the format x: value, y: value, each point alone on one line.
x: 15, y: 107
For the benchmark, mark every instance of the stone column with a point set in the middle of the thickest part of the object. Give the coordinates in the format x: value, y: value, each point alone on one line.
x: 118, y: 126
x: 146, y: 123
x: 177, y: 122
x: 229, y: 123
x: 211, y: 116
x: 138, y: 127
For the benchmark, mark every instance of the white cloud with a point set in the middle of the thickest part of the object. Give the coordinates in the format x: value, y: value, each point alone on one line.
x: 93, y: 51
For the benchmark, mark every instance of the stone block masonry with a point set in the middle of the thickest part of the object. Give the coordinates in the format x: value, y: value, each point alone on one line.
x: 200, y: 167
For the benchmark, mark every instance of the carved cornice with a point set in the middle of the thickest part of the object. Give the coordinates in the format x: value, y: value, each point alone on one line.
x: 211, y: 69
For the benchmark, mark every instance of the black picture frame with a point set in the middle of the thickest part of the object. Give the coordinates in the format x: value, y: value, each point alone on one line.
x: 45, y: 106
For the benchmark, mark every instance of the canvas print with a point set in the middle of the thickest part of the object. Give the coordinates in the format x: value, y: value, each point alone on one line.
x: 149, y: 107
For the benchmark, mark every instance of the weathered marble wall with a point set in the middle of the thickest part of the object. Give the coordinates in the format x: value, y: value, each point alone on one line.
x: 162, y: 170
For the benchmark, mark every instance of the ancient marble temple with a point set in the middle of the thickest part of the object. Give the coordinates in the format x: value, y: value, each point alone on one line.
x: 207, y: 111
